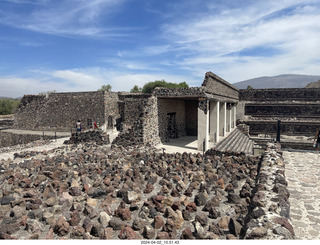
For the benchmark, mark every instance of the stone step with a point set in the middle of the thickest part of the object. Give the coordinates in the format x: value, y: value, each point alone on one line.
x: 242, y: 144
x: 224, y: 143
x: 236, y: 142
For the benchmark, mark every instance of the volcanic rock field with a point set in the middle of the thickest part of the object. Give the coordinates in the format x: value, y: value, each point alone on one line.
x: 90, y: 191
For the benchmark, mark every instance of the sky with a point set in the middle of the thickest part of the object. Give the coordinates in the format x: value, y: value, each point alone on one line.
x: 80, y: 45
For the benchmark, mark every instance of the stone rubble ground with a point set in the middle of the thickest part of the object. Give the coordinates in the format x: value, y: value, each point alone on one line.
x: 91, y: 192
x: 303, y: 176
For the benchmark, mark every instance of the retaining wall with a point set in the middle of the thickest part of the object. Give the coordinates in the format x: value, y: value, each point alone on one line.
x: 10, y: 139
x: 301, y: 110
x: 289, y: 94
x: 291, y: 128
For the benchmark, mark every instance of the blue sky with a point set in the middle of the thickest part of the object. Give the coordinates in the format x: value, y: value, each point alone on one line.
x: 79, y: 45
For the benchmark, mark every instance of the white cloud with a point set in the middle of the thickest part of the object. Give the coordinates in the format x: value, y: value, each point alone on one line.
x: 217, y: 40
x: 65, y: 18
x: 81, y: 79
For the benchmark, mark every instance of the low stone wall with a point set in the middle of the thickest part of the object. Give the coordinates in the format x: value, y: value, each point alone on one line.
x: 6, y: 123
x: 295, y: 110
x: 288, y: 94
x: 269, y: 215
x: 10, y: 139
x: 269, y: 127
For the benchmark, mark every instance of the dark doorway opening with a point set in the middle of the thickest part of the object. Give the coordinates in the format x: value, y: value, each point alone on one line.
x: 172, y: 128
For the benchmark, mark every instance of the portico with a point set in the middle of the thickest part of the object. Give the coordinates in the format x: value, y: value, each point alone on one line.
x: 207, y: 112
x: 216, y: 111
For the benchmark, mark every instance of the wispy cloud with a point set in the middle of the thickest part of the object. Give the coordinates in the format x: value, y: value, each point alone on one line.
x: 65, y: 18
x: 80, y: 79
x: 222, y: 39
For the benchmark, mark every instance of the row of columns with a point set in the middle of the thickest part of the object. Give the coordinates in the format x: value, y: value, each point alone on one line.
x: 215, y: 121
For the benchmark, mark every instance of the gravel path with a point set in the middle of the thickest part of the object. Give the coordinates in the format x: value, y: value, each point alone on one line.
x: 303, y: 176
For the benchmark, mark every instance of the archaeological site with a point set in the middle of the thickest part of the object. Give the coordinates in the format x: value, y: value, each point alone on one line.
x: 194, y: 163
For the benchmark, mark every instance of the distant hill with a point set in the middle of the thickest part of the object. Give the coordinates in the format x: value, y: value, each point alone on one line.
x: 281, y: 81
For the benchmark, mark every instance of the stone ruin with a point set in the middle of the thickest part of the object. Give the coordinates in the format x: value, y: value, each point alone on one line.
x: 85, y: 190
x: 297, y: 109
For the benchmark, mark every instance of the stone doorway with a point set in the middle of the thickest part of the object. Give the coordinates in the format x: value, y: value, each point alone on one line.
x: 172, y: 127
x: 110, y: 122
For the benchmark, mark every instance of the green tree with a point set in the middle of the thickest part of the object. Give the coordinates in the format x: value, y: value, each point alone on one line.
x: 249, y: 87
x: 150, y: 86
x: 8, y: 106
x: 106, y: 88
x: 136, y: 89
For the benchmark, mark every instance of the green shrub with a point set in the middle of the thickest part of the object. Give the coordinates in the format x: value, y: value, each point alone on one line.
x: 8, y: 106
x: 150, y: 86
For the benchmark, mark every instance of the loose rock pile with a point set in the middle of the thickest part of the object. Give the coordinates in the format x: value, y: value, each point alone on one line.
x: 97, y: 136
x: 91, y: 192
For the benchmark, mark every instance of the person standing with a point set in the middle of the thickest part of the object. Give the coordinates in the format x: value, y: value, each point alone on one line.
x: 78, y: 126
x: 317, y: 139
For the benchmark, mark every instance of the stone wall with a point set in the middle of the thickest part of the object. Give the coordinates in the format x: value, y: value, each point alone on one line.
x: 112, y: 112
x: 269, y: 127
x: 10, y: 139
x: 269, y: 213
x: 215, y: 85
x: 6, y: 123
x: 63, y: 110
x: 151, y: 123
x: 179, y: 92
x: 298, y: 110
x: 139, y: 122
x: 289, y: 94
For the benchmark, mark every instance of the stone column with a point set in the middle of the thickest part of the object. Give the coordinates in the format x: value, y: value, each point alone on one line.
x: 234, y: 116
x: 214, y: 121
x: 203, y: 125
x: 228, y: 118
x: 223, y: 119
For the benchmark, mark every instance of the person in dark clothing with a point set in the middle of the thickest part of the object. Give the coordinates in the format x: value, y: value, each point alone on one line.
x: 317, y: 139
x: 79, y: 126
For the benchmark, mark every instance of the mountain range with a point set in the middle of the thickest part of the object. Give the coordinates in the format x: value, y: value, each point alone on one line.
x: 280, y: 81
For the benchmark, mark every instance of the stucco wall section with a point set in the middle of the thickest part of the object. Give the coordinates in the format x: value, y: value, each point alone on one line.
x: 191, y: 117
